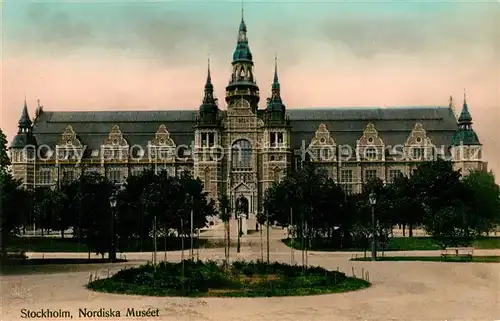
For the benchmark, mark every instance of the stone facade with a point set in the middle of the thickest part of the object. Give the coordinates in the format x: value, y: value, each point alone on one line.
x: 242, y: 150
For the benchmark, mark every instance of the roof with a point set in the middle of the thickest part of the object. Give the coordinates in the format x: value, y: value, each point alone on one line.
x: 346, y: 125
x: 465, y: 137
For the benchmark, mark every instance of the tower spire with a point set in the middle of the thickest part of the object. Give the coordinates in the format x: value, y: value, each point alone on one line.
x: 242, y: 85
x: 276, y: 84
x: 242, y: 11
x: 465, y: 116
x: 208, y: 98
x: 24, y: 121
x: 465, y: 134
x: 24, y: 135
x: 209, y: 78
x: 274, y: 103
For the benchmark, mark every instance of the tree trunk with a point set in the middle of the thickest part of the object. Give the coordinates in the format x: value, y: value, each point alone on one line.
x: 228, y: 241
x: 261, y: 245
x: 62, y: 234
x: 165, y: 235
x: 404, y: 234
x: 410, y: 230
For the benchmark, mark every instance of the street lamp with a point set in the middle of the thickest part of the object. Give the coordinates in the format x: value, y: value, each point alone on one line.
x: 112, y: 204
x: 238, y: 247
x: 373, y: 200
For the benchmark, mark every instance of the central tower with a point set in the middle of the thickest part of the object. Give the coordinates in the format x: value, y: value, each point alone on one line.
x: 242, y: 84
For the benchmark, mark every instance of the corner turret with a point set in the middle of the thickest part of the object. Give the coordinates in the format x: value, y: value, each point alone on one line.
x: 209, y: 110
x: 275, y: 107
x: 24, y: 135
x: 23, y: 150
x: 466, y: 150
x: 465, y: 135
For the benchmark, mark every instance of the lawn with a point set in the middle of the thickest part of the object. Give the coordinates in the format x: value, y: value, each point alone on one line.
x: 474, y: 259
x: 57, y: 244
x: 53, y: 265
x: 403, y: 244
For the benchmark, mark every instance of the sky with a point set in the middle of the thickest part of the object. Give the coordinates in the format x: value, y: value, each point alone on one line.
x: 151, y: 55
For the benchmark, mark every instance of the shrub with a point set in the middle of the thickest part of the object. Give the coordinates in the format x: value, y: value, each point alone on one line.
x: 244, y: 279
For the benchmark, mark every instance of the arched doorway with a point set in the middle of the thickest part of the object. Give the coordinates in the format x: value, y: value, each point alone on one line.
x: 242, y: 205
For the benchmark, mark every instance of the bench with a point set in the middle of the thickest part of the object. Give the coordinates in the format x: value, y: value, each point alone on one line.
x: 458, y: 252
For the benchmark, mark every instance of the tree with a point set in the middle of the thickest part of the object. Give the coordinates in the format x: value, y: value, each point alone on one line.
x: 93, y: 211
x: 4, y: 158
x: 406, y: 209
x: 449, y: 227
x: 14, y: 208
x: 134, y: 222
x: 225, y: 215
x: 482, y: 198
x: 438, y: 190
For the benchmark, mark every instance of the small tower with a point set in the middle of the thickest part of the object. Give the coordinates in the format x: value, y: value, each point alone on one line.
x: 276, y: 154
x: 207, y: 141
x: 209, y: 110
x: 466, y: 150
x: 275, y: 111
x: 23, y: 150
x: 242, y: 83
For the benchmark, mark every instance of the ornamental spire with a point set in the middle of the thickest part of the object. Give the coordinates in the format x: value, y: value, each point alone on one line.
x: 25, y: 121
x: 465, y: 116
x: 275, y: 103
x: 209, y: 99
x: 276, y: 84
x: 242, y: 51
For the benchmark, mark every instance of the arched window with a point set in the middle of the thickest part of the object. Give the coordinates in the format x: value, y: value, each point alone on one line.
x: 241, y: 154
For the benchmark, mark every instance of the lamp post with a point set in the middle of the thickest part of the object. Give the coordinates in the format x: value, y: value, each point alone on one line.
x: 192, y: 231
x: 373, y: 200
x: 112, y: 203
x: 238, y: 247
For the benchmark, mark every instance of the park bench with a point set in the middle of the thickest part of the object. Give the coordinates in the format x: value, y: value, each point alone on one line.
x: 458, y: 252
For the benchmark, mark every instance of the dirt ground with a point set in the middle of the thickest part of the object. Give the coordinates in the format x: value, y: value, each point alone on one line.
x: 406, y: 291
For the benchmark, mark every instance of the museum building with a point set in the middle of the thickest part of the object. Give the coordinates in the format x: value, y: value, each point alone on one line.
x: 243, y: 149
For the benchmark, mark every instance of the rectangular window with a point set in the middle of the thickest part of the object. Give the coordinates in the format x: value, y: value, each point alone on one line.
x: 347, y: 189
x: 45, y: 177
x: 68, y: 176
x: 370, y: 153
x: 164, y: 153
x: 272, y: 139
x: 346, y: 175
x: 136, y: 171
x: 418, y: 153
x: 280, y: 139
x: 203, y: 139
x: 211, y: 139
x: 370, y: 174
x: 115, y: 175
x: 393, y: 173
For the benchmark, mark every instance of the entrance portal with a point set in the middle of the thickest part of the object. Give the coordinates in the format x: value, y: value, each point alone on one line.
x: 242, y: 205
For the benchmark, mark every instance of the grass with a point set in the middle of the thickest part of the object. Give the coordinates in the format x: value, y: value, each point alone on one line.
x: 459, y: 259
x: 57, y: 244
x: 241, y: 279
x: 403, y: 244
x: 52, y: 265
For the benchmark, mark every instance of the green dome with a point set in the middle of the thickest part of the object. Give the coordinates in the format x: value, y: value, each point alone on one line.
x: 465, y: 137
x: 242, y: 52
